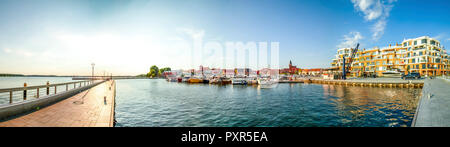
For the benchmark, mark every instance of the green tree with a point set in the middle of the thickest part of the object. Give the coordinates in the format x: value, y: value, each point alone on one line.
x: 154, y: 71
x: 162, y: 70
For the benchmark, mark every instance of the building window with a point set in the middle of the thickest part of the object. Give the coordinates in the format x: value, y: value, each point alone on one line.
x: 424, y: 41
x: 423, y: 66
x: 415, y: 42
x: 432, y: 42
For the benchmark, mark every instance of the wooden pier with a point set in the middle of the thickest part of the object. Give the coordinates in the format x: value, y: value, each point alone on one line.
x: 93, y: 107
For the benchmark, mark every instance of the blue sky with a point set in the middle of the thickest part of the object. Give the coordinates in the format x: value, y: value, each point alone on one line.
x: 127, y: 37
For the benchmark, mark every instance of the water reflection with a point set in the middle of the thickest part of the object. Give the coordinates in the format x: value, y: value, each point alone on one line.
x: 160, y: 103
x: 383, y: 103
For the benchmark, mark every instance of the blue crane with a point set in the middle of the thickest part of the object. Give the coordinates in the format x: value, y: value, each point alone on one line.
x: 346, y: 69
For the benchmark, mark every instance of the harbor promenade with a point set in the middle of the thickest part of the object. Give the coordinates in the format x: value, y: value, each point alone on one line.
x: 93, y: 107
x: 434, y: 106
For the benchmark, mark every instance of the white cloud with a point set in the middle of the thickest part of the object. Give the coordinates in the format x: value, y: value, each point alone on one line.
x: 363, y: 4
x: 438, y: 37
x: 375, y: 10
x: 350, y: 40
x: 372, y: 9
x: 378, y: 29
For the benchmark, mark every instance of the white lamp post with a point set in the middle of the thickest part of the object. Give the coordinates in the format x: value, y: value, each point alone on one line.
x: 93, y: 64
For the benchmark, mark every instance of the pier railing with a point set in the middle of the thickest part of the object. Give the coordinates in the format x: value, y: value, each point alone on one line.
x: 18, y: 94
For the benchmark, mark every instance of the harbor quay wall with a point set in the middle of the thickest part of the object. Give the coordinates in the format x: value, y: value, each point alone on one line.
x: 372, y: 83
x: 9, y: 110
x: 433, y: 110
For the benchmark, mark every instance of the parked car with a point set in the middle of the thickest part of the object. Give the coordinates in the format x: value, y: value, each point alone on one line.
x: 412, y: 75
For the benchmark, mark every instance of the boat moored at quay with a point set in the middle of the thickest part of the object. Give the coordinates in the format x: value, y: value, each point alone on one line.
x: 239, y: 81
x: 266, y: 76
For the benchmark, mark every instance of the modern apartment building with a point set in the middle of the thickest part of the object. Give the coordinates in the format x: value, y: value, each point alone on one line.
x: 423, y: 54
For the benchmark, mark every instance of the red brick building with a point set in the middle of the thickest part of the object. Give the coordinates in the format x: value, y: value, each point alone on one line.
x: 291, y: 70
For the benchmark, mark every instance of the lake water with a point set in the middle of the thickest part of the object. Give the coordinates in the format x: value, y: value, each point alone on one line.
x: 13, y: 82
x: 160, y: 103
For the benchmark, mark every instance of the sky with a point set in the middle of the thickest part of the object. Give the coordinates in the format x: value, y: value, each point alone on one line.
x: 63, y: 37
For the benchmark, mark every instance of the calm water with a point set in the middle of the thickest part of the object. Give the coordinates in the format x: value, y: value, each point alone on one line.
x: 12, y: 82
x: 159, y: 103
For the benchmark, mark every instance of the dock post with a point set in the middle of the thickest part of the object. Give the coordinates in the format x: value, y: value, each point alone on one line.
x: 24, y: 91
x: 37, y: 92
x: 55, y: 89
x: 67, y: 87
x: 48, y: 88
x: 10, y: 97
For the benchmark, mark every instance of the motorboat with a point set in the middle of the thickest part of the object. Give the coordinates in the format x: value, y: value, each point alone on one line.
x: 214, y: 80
x: 206, y: 81
x: 172, y: 79
x: 238, y: 81
x: 392, y: 74
x: 195, y: 80
x: 267, y: 82
x: 185, y: 79
x: 224, y: 80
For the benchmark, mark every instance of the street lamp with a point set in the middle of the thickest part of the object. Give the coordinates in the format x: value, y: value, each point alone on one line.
x: 93, y: 64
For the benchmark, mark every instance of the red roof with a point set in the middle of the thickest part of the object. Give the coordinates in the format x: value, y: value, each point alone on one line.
x: 314, y: 69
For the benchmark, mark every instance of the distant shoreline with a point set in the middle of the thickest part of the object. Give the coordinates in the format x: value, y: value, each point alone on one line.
x: 20, y: 75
